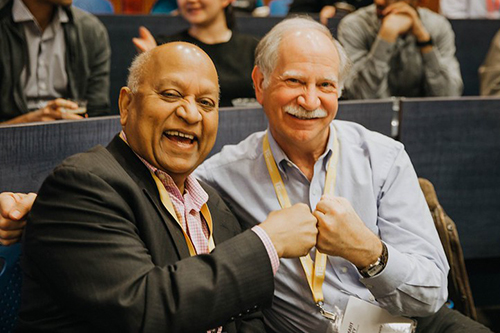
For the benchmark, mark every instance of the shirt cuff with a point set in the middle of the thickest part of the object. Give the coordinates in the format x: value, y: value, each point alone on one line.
x: 268, y: 244
x: 393, y: 275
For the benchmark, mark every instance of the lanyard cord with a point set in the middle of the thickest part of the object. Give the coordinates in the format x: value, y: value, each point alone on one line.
x: 315, y: 271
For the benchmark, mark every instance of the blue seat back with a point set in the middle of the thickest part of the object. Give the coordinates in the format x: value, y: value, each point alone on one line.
x: 10, y: 286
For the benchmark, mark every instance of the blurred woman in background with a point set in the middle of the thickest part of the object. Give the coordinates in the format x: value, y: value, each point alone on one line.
x: 211, y: 28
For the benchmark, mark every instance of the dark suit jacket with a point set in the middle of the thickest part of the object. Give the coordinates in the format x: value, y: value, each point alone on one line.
x: 101, y: 253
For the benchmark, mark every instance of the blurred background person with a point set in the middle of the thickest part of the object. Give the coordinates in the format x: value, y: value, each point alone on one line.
x: 398, y: 49
x: 211, y: 28
x: 470, y: 9
x: 327, y: 8
x: 51, y: 52
x: 489, y: 72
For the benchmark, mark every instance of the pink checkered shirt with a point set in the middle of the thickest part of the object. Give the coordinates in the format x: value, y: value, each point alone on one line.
x: 189, y: 205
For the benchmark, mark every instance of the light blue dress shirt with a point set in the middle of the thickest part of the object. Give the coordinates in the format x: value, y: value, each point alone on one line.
x: 376, y: 176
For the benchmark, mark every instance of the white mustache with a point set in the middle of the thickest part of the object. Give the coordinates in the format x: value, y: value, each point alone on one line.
x: 302, y: 113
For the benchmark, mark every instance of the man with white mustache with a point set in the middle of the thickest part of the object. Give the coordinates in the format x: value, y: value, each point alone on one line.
x: 374, y: 225
x: 373, y: 222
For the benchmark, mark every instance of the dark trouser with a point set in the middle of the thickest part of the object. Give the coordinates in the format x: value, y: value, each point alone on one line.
x: 449, y: 321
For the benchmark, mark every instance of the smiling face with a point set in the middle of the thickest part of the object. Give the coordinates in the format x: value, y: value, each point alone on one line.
x: 301, y: 98
x: 202, y: 12
x: 171, y: 120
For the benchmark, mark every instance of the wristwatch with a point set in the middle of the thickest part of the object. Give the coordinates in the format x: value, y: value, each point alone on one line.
x: 426, y: 43
x: 378, y: 266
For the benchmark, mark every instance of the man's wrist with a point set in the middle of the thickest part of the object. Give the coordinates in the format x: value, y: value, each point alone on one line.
x: 425, y: 42
x: 378, y: 266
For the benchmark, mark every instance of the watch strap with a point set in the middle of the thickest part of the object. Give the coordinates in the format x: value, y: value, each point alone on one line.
x: 378, y: 266
x: 426, y: 43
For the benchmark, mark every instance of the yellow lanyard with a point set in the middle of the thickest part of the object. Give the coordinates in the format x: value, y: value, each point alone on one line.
x: 315, y: 271
x: 167, y: 203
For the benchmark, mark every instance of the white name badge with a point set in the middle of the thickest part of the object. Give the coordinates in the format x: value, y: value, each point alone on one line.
x: 363, y: 317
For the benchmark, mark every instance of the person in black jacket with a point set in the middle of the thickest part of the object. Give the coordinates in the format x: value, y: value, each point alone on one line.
x: 211, y: 28
x: 51, y: 52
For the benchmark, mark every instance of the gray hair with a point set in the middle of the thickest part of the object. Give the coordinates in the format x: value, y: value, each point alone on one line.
x: 266, y: 53
x: 138, y: 70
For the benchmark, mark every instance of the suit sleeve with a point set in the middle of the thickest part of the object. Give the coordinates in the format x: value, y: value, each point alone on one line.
x: 83, y: 245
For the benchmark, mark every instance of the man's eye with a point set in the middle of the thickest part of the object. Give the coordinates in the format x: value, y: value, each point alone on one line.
x: 328, y: 85
x: 170, y: 94
x: 207, y: 103
x: 293, y: 81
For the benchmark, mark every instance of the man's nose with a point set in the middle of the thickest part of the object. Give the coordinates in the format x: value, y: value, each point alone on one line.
x: 309, y: 99
x: 189, y: 112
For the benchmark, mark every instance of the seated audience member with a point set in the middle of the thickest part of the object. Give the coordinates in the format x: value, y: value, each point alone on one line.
x: 489, y: 72
x: 375, y: 231
x: 51, y: 52
x: 398, y: 49
x: 211, y: 22
x: 470, y: 9
x: 107, y: 246
x: 374, y: 225
x: 326, y: 8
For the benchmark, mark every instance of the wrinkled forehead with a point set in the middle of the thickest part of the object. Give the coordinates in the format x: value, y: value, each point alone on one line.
x: 308, y: 45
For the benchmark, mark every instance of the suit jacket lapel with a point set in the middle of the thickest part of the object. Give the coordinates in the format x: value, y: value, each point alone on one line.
x: 142, y: 176
x: 220, y: 217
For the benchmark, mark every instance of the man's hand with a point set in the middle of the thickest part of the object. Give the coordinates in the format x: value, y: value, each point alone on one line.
x: 292, y: 230
x: 53, y: 110
x: 326, y: 13
x: 13, y: 210
x: 401, y: 18
x: 145, y: 41
x: 342, y: 233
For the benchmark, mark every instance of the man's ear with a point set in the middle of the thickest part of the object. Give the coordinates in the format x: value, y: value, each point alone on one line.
x: 124, y: 103
x: 226, y: 3
x: 258, y: 83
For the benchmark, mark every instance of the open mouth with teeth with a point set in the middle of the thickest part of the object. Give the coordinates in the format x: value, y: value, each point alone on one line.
x: 180, y: 137
x: 301, y: 117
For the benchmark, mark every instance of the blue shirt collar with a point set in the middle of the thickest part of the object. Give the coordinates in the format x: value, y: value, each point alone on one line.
x: 281, y: 159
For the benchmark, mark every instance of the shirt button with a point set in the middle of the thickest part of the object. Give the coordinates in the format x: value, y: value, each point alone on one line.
x: 344, y: 269
x: 371, y: 298
x: 289, y: 164
x: 43, y: 86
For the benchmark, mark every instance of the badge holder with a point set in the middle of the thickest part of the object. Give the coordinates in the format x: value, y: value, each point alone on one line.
x: 363, y: 317
x: 335, y: 317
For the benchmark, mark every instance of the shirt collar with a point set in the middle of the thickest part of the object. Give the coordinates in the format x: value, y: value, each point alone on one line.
x: 192, y: 187
x: 21, y: 13
x: 281, y: 159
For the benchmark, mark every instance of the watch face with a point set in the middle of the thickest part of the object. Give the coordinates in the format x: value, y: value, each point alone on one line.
x: 375, y: 269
